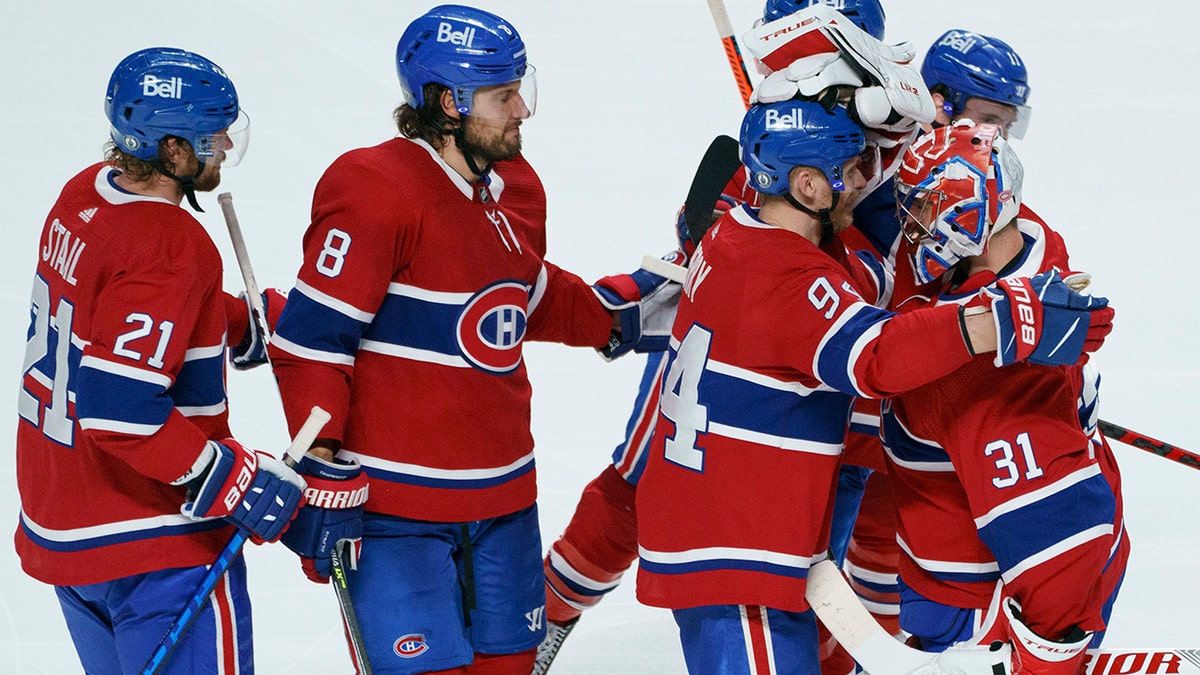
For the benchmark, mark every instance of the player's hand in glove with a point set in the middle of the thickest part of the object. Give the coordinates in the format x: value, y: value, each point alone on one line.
x: 1041, y: 320
x: 643, y: 304
x: 332, y: 514
x: 253, y: 489
x: 251, y: 351
x: 816, y: 48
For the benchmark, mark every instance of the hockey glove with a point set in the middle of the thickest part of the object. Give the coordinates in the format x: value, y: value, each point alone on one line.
x: 332, y: 514
x: 1036, y: 655
x: 1040, y: 319
x: 644, y: 305
x: 253, y: 489
x: 251, y: 352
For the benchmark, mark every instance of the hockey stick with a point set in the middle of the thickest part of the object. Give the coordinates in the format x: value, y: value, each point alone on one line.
x: 259, y: 315
x: 721, y: 161
x: 158, y: 660
x: 357, y: 646
x: 732, y: 53
x: 1144, y: 442
x: 881, y: 654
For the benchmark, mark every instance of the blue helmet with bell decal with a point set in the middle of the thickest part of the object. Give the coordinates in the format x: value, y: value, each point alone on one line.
x: 159, y: 92
x: 461, y: 48
x: 779, y: 136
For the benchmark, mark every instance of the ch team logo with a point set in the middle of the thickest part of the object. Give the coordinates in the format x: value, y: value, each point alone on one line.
x: 492, y: 325
x: 409, y: 646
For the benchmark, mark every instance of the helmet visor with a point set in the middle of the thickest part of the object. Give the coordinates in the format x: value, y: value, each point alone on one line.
x: 226, y: 147
x: 503, y: 102
x: 1019, y: 126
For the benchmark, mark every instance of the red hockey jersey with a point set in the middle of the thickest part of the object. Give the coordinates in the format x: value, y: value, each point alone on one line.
x: 123, y: 385
x: 407, y: 321
x: 771, y: 343
x: 999, y: 474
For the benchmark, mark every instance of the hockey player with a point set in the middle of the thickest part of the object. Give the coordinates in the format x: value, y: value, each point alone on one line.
x: 130, y: 485
x: 600, y: 542
x: 979, y: 78
x: 422, y: 276
x: 1009, y: 500
x: 772, y: 341
x: 969, y: 76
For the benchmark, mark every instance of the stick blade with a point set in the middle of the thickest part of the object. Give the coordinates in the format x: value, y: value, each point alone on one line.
x: 720, y: 163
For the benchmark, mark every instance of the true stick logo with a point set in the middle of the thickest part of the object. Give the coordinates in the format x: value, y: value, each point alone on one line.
x: 172, y: 88
x: 464, y: 37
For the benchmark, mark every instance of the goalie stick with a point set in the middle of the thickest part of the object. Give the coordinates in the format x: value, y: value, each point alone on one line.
x: 259, y: 316
x: 718, y: 166
x: 1144, y: 442
x: 732, y: 53
x: 162, y: 653
x: 882, y: 654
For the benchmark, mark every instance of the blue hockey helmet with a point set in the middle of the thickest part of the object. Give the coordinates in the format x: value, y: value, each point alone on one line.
x: 866, y: 14
x: 461, y: 48
x: 159, y: 92
x: 776, y: 137
x: 972, y: 65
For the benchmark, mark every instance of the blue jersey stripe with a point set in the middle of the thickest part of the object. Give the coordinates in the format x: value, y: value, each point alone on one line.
x: 841, y: 349
x: 105, y: 395
x: 200, y: 383
x: 1063, y: 514
x: 447, y: 482
x: 313, y: 325
x: 816, y: 416
x: 74, y: 545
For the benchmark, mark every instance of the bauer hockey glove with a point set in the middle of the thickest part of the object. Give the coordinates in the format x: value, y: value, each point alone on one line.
x: 332, y: 514
x: 1041, y: 320
x: 251, y: 352
x: 644, y: 305
x: 253, y: 489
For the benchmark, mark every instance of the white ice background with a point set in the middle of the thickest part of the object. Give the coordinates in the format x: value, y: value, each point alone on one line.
x: 630, y: 93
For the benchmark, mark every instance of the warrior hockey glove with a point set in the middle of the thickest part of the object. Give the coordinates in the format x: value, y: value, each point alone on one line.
x: 644, y: 304
x: 1040, y: 319
x: 251, y: 352
x: 332, y: 514
x: 253, y: 489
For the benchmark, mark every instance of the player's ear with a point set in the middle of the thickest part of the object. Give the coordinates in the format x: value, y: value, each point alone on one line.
x: 446, y: 100
x: 801, y: 182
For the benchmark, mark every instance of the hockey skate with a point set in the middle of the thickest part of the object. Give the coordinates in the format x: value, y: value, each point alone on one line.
x: 556, y: 634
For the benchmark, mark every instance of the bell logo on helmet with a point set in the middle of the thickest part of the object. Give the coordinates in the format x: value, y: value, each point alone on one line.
x: 172, y: 88
x: 464, y: 37
x: 958, y: 42
x: 787, y: 120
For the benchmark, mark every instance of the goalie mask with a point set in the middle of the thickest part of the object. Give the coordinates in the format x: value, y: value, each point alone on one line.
x: 956, y: 187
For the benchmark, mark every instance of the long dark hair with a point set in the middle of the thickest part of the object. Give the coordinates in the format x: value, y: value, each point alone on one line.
x: 428, y: 122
